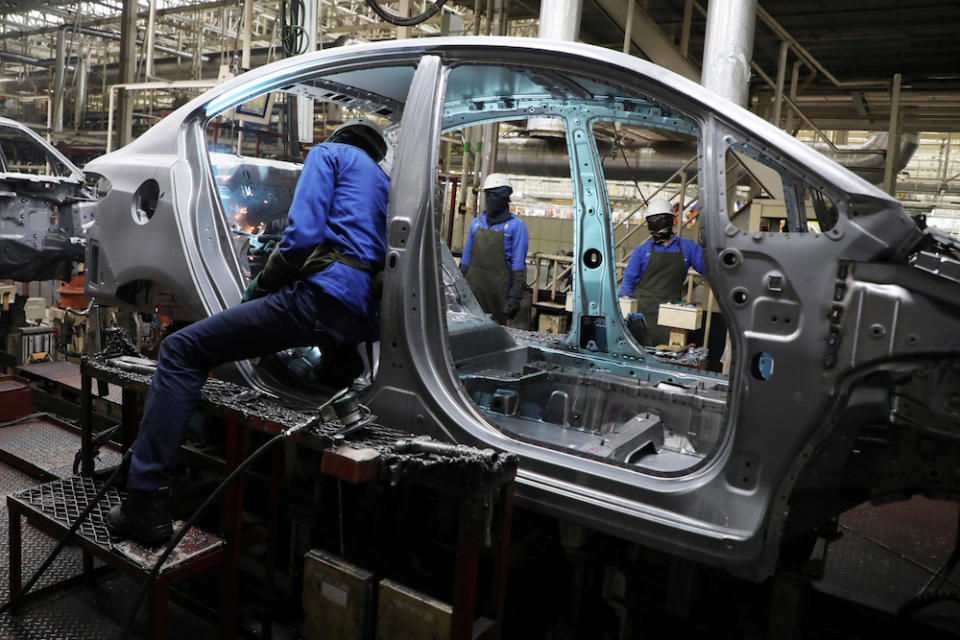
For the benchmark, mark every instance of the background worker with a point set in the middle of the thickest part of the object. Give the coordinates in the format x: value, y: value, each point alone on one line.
x: 658, y: 267
x: 315, y: 290
x: 495, y: 253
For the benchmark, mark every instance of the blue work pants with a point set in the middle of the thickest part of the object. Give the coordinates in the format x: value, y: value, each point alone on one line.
x: 298, y: 315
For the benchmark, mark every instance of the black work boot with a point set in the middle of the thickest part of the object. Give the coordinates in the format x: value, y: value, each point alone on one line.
x: 144, y: 517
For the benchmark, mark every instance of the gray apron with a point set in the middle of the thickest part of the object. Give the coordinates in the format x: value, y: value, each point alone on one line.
x: 661, y: 282
x: 488, y: 274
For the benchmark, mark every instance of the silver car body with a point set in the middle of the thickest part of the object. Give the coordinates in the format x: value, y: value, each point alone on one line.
x: 862, y: 319
x: 44, y: 206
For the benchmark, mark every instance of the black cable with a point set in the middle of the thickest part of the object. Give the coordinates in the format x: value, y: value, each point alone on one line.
x: 923, y: 600
x: 405, y: 22
x: 286, y: 433
x: 292, y: 32
x: 95, y: 444
x: 63, y: 541
x: 145, y: 587
x: 934, y: 590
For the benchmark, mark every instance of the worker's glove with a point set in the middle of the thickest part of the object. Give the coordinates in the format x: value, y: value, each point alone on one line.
x: 277, y: 272
x: 268, y: 241
x: 464, y: 268
x: 253, y: 290
x: 512, y: 305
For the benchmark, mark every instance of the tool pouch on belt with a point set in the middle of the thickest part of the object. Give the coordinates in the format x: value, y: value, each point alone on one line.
x: 277, y: 272
x: 324, y: 255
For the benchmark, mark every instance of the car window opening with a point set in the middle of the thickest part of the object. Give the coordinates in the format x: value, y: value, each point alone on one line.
x: 256, y: 163
x: 562, y: 373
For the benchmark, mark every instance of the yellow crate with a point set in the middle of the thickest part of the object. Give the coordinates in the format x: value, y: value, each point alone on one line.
x: 407, y: 614
x: 552, y: 324
x: 681, y: 316
x: 337, y: 599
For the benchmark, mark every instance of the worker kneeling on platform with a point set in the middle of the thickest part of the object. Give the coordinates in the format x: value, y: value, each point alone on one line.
x: 658, y: 267
x: 495, y: 253
x: 315, y: 290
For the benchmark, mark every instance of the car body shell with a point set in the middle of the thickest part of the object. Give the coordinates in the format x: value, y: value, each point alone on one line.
x: 43, y: 207
x: 865, y: 374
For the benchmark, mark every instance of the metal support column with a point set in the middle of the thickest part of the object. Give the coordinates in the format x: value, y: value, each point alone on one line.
x: 728, y: 48
x: 560, y: 19
x: 58, y: 80
x: 794, y: 81
x: 128, y: 69
x: 781, y: 77
x: 80, y: 100
x: 404, y: 10
x: 151, y: 35
x: 305, y: 111
x: 628, y: 30
x: 685, y: 28
x: 247, y: 34
x: 893, y: 144
x: 945, y: 166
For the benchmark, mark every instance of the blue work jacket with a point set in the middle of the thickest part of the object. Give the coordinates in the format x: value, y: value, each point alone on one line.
x: 340, y: 199
x: 515, y: 240
x: 640, y: 258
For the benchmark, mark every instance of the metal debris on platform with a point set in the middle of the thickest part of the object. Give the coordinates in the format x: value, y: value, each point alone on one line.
x: 195, y: 543
x: 467, y: 466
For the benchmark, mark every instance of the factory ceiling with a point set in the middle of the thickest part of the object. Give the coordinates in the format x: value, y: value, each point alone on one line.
x: 846, y: 52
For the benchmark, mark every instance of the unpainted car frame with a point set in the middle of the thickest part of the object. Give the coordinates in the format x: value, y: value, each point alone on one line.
x: 43, y: 209
x: 863, y: 402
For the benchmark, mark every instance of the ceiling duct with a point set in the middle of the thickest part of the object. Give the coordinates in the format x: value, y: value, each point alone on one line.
x: 546, y: 156
x: 867, y: 160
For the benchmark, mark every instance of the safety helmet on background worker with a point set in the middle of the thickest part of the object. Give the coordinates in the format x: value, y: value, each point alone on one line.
x: 495, y: 180
x: 658, y: 207
x: 362, y: 133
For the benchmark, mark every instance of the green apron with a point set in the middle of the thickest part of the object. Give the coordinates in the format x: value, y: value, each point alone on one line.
x: 661, y: 282
x: 488, y: 274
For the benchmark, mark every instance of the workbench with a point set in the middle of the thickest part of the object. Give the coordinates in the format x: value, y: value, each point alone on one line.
x: 373, y: 454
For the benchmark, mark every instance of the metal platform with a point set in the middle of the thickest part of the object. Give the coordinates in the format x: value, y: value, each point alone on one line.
x: 54, y: 506
x: 887, y: 553
x: 60, y: 502
x: 45, y: 446
x: 64, y: 373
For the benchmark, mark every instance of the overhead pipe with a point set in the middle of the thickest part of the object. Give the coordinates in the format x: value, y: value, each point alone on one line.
x: 61, y: 61
x: 27, y: 60
x: 869, y: 159
x: 116, y: 36
x: 547, y: 157
x: 728, y: 48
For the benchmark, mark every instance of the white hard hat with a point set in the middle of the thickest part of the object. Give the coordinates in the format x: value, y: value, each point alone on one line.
x: 658, y: 207
x: 495, y: 180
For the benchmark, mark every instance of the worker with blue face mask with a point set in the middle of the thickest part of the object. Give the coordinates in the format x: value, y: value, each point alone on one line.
x: 495, y: 253
x: 657, y: 268
x: 317, y: 289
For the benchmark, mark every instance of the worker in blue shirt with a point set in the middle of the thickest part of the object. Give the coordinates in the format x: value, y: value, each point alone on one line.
x: 315, y: 290
x: 657, y: 268
x: 495, y: 253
